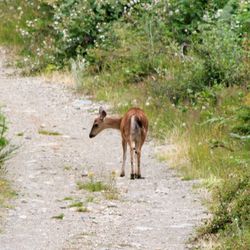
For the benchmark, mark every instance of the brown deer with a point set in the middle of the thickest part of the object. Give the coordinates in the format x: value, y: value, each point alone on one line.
x: 133, y: 126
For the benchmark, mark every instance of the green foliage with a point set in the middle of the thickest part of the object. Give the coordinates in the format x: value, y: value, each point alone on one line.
x: 81, y: 24
x: 222, y: 54
x: 233, y: 203
x: 4, y: 153
x: 243, y: 121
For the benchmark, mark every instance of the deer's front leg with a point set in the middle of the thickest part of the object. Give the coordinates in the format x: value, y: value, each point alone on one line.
x: 124, y: 148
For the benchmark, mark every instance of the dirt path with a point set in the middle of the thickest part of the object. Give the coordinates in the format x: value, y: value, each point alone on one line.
x: 159, y: 212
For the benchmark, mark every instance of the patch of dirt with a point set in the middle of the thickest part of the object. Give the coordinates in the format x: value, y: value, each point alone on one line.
x: 158, y: 212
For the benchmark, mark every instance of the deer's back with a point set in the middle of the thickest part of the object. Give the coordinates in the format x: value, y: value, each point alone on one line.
x: 140, y: 118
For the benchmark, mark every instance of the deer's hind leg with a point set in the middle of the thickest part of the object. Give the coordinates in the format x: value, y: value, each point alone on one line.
x: 124, y: 147
x: 138, y: 154
x: 132, y: 175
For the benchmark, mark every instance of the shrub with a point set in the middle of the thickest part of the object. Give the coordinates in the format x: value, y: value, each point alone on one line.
x: 222, y: 53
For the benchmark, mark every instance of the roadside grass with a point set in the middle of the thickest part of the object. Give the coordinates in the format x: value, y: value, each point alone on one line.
x: 79, y: 205
x: 58, y: 217
x: 76, y: 204
x: 92, y: 186
x: 49, y: 133
x: 6, y: 191
x: 108, y: 189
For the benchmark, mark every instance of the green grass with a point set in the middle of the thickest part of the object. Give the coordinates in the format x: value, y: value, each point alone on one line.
x: 79, y: 205
x: 76, y: 204
x: 82, y: 209
x: 68, y: 198
x: 92, y: 186
x: 58, y: 217
x: 49, y: 133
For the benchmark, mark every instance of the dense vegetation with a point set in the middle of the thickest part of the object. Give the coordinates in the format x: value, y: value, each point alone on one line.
x: 185, y: 62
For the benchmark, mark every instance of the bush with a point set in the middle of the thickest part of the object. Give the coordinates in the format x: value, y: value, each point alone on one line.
x: 221, y: 50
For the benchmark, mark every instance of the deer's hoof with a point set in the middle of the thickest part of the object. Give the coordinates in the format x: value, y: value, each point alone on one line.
x: 122, y: 175
x: 139, y: 176
x: 132, y: 176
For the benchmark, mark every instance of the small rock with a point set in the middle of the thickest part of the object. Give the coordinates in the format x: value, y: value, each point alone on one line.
x: 23, y: 217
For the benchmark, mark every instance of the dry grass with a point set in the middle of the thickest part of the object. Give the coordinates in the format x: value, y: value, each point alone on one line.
x: 59, y: 77
x: 176, y: 151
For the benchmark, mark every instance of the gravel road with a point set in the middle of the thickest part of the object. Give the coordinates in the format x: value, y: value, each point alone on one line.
x: 158, y: 212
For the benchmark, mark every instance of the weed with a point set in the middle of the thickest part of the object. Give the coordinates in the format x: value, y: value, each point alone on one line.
x: 58, y: 217
x: 68, y: 198
x: 76, y: 204
x: 67, y: 167
x: 82, y: 209
x: 90, y: 199
x: 6, y: 192
x: 92, y: 186
x: 50, y: 133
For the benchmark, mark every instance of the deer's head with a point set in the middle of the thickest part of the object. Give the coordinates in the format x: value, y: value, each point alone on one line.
x: 98, y: 124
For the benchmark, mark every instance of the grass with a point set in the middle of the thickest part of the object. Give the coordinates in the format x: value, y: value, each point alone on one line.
x: 92, y: 186
x: 6, y: 192
x: 82, y: 209
x: 79, y: 206
x: 49, y: 133
x: 68, y: 198
x: 76, y: 204
x: 58, y: 217
x: 67, y: 167
x: 109, y: 189
x: 90, y: 198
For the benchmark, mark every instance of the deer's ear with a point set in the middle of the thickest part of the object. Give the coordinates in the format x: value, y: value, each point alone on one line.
x: 102, y: 113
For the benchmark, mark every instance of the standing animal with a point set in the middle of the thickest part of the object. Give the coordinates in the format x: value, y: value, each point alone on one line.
x: 133, y: 126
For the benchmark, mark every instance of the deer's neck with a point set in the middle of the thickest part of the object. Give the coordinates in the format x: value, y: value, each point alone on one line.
x: 114, y: 123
